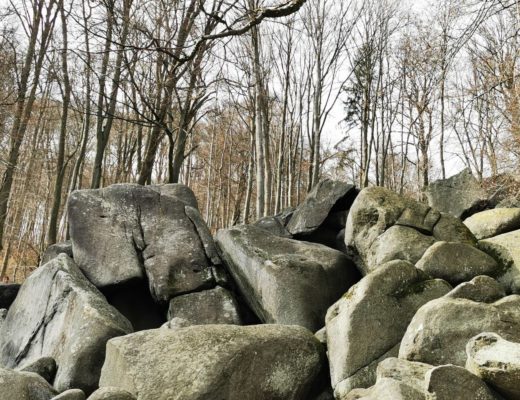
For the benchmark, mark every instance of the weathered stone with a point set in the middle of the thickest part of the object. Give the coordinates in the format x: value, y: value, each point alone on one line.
x: 58, y: 313
x: 45, y: 367
x: 383, y: 226
x: 8, y: 293
x: 497, y: 362
x: 17, y: 385
x: 386, y: 389
x: 285, y: 281
x: 446, y: 382
x: 273, y: 225
x: 321, y: 335
x: 111, y: 393
x: 215, y: 306
x: 124, y: 232
x: 441, y: 328
x: 210, y: 362
x: 460, y: 195
x: 55, y: 249
x: 494, y: 222
x: 371, y: 318
x: 505, y: 249
x: 400, y: 243
x: 456, y: 262
x: 482, y: 289
x: 71, y: 394
x: 325, y: 198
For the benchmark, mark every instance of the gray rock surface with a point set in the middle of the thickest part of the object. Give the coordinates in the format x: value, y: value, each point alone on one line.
x: 326, y: 197
x: 460, y: 195
x: 58, y: 313
x: 456, y: 262
x: 505, y: 249
x: 55, y: 249
x: 494, y: 222
x: 126, y: 232
x: 213, y: 362
x: 71, y: 394
x: 497, y: 362
x: 285, y: 281
x: 17, y: 385
x: 273, y: 225
x: 440, y: 330
x: 111, y: 393
x: 8, y: 293
x: 46, y: 367
x: 372, y: 317
x: 383, y: 226
x: 214, y: 306
x: 422, y: 381
x: 482, y: 289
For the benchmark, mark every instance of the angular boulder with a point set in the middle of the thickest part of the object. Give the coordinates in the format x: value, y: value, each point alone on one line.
x: 55, y: 249
x: 505, y: 249
x: 457, y: 262
x: 422, y: 381
x: 58, y: 313
x: 460, y: 195
x: 285, y: 281
x: 211, y: 362
x: 324, y: 200
x: 440, y: 330
x: 494, y: 222
x: 215, y: 306
x: 8, y: 293
x: 369, y: 321
x: 497, y: 362
x: 130, y: 232
x: 17, y: 385
x: 383, y: 226
x: 482, y: 289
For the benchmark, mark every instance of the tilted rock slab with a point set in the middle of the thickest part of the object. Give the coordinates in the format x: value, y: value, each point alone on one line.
x: 497, y: 362
x: 505, y: 249
x: 383, y: 226
x: 440, y: 330
x: 372, y: 317
x: 16, y: 385
x: 285, y: 281
x: 460, y: 195
x: 494, y: 222
x: 326, y: 197
x: 214, y: 362
x: 58, y: 313
x: 128, y: 232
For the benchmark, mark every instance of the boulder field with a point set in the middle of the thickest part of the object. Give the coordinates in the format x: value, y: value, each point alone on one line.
x: 354, y: 294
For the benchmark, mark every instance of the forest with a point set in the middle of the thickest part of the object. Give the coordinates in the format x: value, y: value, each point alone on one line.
x: 248, y: 102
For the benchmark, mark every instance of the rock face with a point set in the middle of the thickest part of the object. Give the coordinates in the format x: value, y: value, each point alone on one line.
x: 24, y: 386
x: 285, y: 281
x: 8, y: 293
x: 213, y: 362
x: 494, y: 222
x: 461, y: 195
x: 384, y: 301
x: 497, y: 362
x: 215, y: 306
x: 59, y: 314
x: 383, y: 226
x: 154, y: 231
x: 505, y: 249
x: 326, y: 198
x: 457, y: 262
x: 440, y: 330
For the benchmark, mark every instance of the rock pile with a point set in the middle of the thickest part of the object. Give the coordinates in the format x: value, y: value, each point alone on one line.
x: 352, y: 295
